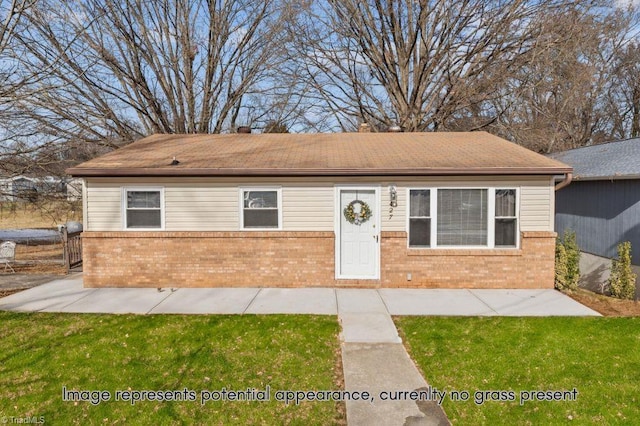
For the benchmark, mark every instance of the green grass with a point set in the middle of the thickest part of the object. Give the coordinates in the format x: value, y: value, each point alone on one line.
x: 41, y: 353
x: 600, y: 357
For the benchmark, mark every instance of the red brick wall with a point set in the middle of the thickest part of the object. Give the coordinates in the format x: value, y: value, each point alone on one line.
x: 207, y: 259
x: 301, y: 259
x: 530, y: 266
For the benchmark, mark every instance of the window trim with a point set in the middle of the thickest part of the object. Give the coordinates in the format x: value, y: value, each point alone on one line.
x: 491, y: 219
x: 516, y: 216
x: 241, y: 191
x: 125, y: 207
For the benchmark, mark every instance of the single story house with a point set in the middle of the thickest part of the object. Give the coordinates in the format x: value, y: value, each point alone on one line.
x: 465, y: 210
x: 602, y: 205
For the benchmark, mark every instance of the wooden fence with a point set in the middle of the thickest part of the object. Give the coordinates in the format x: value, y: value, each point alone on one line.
x: 72, y: 244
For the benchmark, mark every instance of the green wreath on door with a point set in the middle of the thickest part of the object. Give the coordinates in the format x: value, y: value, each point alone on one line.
x: 357, y: 218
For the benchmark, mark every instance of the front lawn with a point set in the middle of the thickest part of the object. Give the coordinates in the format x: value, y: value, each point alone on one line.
x: 42, y: 353
x: 599, y: 357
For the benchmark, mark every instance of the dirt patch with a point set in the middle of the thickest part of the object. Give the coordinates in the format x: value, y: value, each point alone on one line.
x: 46, y: 214
x: 605, y: 305
x: 10, y: 282
x: 39, y: 253
x: 38, y: 260
x: 40, y: 269
x: 5, y: 293
x: 338, y: 380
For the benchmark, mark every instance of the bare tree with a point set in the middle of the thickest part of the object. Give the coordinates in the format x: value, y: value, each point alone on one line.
x: 557, y: 99
x: 116, y: 71
x: 11, y: 13
x: 623, y: 93
x: 110, y: 72
x: 97, y: 74
x: 275, y: 127
x: 413, y: 63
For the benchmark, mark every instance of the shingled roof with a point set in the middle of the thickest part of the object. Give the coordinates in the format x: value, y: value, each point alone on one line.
x: 324, y: 154
x: 613, y: 160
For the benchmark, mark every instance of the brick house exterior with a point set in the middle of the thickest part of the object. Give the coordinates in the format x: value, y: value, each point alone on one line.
x: 450, y: 210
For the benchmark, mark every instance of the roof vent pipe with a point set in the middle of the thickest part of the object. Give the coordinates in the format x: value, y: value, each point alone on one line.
x: 244, y: 129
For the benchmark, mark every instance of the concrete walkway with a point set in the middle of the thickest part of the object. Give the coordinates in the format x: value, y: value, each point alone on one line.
x: 373, y: 357
x: 370, y: 309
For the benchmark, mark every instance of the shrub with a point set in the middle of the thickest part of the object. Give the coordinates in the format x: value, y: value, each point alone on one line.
x: 573, y: 259
x: 622, y: 282
x: 567, y: 262
x: 561, y: 266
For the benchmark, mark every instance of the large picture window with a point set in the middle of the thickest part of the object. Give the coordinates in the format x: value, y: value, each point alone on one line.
x: 260, y: 208
x: 143, y: 208
x: 462, y: 217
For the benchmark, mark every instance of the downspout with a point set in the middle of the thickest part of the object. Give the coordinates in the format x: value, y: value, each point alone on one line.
x: 566, y: 181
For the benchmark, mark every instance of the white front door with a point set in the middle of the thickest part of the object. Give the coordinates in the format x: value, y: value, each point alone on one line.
x: 358, y: 236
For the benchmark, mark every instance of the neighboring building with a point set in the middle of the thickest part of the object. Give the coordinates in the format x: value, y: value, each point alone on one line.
x: 18, y: 188
x: 24, y: 188
x: 602, y: 204
x: 464, y: 210
x: 73, y: 189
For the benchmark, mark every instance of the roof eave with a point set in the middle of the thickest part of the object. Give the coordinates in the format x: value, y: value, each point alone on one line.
x: 205, y: 172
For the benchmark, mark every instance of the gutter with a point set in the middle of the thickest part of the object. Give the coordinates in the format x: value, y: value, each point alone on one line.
x: 609, y: 178
x: 566, y: 181
x: 262, y: 172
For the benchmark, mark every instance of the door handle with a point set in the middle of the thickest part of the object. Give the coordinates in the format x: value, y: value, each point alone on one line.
x: 376, y: 238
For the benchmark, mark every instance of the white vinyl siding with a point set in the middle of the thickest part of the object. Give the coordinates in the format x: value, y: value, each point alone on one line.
x: 307, y: 207
x: 393, y: 219
x: 189, y: 206
x: 201, y: 207
x: 537, y: 207
x: 211, y: 204
x: 104, y: 212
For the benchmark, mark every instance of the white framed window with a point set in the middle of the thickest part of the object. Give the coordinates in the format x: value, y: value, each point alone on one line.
x: 143, y: 208
x: 419, y: 218
x: 260, y: 208
x: 462, y: 218
x: 506, y: 219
